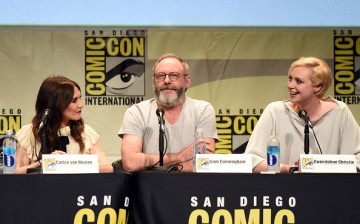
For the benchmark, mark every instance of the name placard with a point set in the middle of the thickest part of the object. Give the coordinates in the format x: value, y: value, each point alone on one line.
x: 70, y: 163
x: 223, y: 163
x: 327, y: 163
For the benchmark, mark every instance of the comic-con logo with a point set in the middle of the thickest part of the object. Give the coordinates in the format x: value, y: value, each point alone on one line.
x: 307, y: 163
x: 234, y: 132
x: 115, y: 65
x: 347, y: 67
x: 49, y: 164
x: 203, y: 163
x: 10, y: 119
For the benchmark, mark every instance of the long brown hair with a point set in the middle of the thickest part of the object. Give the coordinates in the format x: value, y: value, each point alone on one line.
x: 55, y: 94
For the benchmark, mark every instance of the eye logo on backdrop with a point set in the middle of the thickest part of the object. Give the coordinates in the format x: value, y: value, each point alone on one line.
x: 114, y: 67
x: 123, y: 76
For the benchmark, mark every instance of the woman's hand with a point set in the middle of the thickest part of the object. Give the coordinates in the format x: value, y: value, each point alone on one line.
x: 58, y: 152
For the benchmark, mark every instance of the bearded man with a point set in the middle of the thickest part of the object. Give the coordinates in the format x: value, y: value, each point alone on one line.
x: 183, y: 116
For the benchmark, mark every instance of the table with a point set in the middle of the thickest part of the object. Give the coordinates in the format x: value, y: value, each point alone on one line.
x: 163, y: 198
x: 60, y: 198
x: 245, y: 198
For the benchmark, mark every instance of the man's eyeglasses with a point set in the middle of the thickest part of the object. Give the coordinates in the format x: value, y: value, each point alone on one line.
x: 173, y: 76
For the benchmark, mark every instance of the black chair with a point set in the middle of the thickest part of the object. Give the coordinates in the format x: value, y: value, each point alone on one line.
x: 118, y: 166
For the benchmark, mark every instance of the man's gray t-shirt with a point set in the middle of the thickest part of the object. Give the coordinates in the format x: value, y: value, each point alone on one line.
x: 141, y: 120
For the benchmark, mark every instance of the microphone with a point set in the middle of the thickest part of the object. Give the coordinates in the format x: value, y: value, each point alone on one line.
x: 160, y: 113
x: 44, y: 118
x: 303, y: 115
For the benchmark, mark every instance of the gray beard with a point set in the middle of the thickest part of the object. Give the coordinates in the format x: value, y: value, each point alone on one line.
x: 170, y: 100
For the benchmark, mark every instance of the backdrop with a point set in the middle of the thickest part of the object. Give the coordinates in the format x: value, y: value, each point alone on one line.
x: 238, y: 70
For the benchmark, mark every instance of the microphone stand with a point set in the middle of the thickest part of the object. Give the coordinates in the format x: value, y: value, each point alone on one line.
x: 161, y: 167
x: 306, y: 139
x: 43, y: 150
x: 43, y: 141
x: 306, y: 147
x: 161, y: 145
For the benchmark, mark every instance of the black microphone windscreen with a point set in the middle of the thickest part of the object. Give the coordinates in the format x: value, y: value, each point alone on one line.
x: 45, y: 115
x: 46, y: 112
x: 302, y: 113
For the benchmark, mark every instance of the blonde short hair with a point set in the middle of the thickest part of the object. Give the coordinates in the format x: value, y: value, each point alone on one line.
x: 322, y: 74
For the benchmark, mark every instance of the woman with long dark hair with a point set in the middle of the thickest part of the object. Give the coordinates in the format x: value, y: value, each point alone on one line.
x: 66, y: 132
